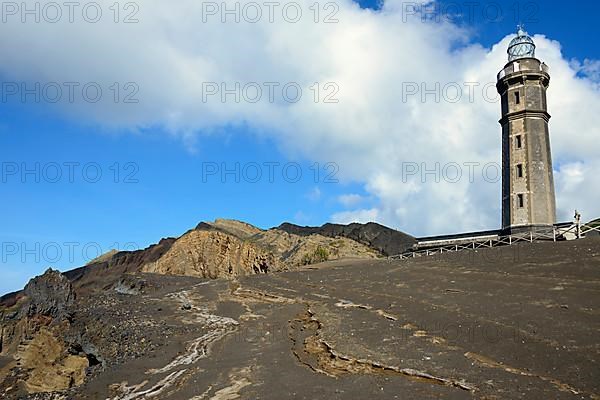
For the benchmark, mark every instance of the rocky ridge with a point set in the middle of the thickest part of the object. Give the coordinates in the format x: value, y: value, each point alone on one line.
x: 229, y: 248
x: 64, y: 327
x: 385, y: 240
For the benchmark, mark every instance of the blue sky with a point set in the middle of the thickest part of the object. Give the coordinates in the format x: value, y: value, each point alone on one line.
x: 573, y: 24
x: 160, y: 190
x: 151, y: 186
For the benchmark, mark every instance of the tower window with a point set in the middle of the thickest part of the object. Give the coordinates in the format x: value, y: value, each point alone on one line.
x: 520, y: 201
x: 519, y: 141
x: 517, y: 98
x: 519, y: 170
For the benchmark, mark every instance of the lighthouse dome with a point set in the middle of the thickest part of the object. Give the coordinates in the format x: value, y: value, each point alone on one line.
x: 521, y: 47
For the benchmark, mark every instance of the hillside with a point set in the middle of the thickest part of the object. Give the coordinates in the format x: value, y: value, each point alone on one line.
x: 381, y: 238
x: 219, y: 249
x: 515, y: 322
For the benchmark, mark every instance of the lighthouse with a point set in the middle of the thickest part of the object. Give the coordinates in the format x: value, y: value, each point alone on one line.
x: 528, y: 199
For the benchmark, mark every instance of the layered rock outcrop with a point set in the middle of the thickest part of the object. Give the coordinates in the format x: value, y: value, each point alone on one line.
x: 228, y: 248
x: 213, y: 254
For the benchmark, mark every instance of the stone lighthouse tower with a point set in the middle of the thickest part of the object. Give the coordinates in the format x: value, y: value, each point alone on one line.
x: 528, y: 202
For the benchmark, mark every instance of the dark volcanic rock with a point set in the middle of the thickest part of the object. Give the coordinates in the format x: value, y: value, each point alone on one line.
x: 107, y: 273
x: 205, y: 226
x: 381, y: 238
x: 49, y: 294
x: 130, y: 285
x: 512, y: 322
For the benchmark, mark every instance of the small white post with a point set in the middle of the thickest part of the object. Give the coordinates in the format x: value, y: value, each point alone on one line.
x: 578, y: 224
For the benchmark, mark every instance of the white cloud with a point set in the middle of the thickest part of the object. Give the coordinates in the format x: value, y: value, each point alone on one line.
x: 314, y: 194
x: 576, y: 189
x: 350, y: 199
x: 371, y: 134
x: 590, y: 69
x: 361, y: 216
